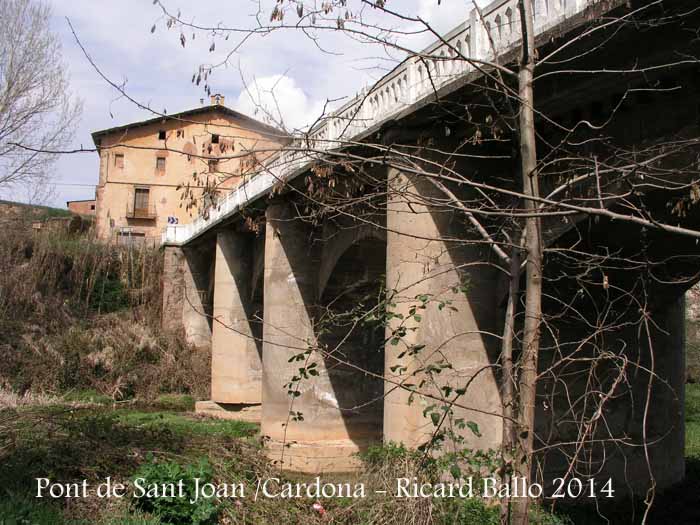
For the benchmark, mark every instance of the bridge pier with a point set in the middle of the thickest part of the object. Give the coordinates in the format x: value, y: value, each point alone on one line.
x: 305, y: 430
x: 186, y: 283
x: 421, y: 264
x: 195, y: 307
x: 236, y: 362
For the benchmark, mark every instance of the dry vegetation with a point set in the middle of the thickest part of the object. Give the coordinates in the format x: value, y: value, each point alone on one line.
x: 77, y: 315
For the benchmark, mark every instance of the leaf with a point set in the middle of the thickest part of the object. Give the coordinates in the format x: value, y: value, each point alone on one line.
x: 182, y: 39
x: 153, y: 29
x: 456, y: 471
x: 212, y: 47
x: 474, y: 428
x: 435, y: 417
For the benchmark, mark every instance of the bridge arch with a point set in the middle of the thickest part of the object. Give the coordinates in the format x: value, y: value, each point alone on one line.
x: 353, y: 281
x: 338, y: 243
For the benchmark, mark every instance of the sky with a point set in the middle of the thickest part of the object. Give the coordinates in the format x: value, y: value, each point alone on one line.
x: 157, y: 71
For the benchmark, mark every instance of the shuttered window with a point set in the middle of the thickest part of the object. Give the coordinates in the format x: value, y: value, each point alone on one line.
x: 141, y: 200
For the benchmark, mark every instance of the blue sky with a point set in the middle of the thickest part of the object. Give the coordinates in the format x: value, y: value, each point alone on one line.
x: 158, y: 71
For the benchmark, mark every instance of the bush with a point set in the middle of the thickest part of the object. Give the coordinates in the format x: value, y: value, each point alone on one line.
x: 382, y: 453
x: 177, y: 510
x: 468, y: 511
x: 15, y: 510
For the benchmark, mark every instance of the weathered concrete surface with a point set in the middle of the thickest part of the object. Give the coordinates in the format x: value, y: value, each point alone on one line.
x: 582, y: 372
x: 173, y: 286
x: 231, y: 411
x: 420, y: 262
x: 321, y: 441
x: 236, y: 367
x: 196, y: 275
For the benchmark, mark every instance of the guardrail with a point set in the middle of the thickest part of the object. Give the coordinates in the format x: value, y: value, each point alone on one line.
x: 416, y: 78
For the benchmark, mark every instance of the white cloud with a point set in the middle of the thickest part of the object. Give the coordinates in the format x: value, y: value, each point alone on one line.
x: 444, y: 17
x: 278, y: 100
x: 287, y: 63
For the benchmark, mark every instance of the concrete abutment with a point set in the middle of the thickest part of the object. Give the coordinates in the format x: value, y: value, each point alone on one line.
x: 301, y: 419
x: 236, y: 367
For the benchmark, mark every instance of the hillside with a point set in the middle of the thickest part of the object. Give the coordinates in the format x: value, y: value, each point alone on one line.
x: 10, y: 209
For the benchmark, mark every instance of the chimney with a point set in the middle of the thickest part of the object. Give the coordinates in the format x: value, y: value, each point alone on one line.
x: 217, y: 100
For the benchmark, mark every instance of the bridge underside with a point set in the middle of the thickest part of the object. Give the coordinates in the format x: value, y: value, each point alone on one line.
x: 335, y: 329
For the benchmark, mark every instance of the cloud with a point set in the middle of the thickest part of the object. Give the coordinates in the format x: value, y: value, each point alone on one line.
x: 291, y: 74
x: 278, y: 100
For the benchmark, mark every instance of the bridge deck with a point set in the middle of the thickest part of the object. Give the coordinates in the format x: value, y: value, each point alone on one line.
x: 447, y: 61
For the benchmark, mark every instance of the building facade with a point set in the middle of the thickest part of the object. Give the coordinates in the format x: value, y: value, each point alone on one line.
x: 82, y: 207
x: 166, y: 170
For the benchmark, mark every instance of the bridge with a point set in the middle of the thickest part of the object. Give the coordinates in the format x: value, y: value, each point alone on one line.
x: 257, y: 282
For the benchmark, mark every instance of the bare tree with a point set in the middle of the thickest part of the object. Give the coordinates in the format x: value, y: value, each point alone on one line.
x: 37, y: 109
x: 580, y: 336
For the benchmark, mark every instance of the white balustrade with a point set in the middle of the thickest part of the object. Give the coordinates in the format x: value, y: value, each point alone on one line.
x: 414, y: 79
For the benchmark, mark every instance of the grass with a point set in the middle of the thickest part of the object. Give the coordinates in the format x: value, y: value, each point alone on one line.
x: 176, y: 402
x: 74, y: 442
x: 87, y: 396
x: 186, y: 425
x: 71, y: 442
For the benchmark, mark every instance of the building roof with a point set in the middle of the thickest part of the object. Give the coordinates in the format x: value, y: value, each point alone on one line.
x: 256, y: 124
x: 81, y: 200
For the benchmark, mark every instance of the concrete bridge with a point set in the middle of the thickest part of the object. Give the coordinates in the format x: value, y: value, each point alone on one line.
x: 255, y: 281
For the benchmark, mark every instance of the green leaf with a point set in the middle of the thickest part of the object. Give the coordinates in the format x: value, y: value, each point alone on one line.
x: 474, y: 428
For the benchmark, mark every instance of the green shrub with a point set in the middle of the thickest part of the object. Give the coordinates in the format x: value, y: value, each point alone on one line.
x: 383, y: 453
x: 177, y: 510
x: 137, y: 518
x: 16, y: 510
x: 468, y: 511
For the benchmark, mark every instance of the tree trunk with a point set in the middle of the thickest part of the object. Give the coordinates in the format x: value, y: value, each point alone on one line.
x: 508, y: 379
x: 533, y: 248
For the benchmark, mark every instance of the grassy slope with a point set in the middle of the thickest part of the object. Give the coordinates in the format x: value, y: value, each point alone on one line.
x: 70, y: 442
x: 36, y: 212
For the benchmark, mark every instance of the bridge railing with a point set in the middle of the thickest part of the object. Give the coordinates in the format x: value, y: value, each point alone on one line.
x: 491, y: 31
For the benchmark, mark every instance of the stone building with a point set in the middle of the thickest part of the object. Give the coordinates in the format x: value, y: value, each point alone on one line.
x: 154, y: 173
x: 82, y: 207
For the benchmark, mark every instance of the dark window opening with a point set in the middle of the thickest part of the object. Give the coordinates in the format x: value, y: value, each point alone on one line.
x: 92, y: 206
x: 160, y: 163
x: 213, y: 165
x: 119, y: 160
x: 214, y: 139
x: 161, y: 134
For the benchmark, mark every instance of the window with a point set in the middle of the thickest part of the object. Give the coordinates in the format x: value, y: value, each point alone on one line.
x: 160, y: 163
x: 141, y: 201
x: 119, y: 160
x: 92, y: 206
x: 161, y: 134
x: 214, y: 138
x: 213, y: 165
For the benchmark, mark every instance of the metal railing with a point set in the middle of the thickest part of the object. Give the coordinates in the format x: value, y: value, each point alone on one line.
x: 148, y: 213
